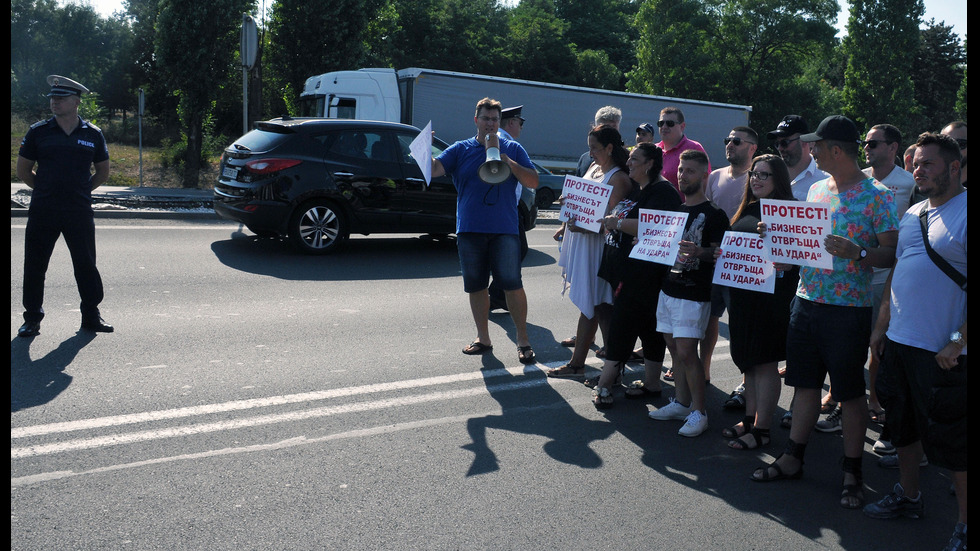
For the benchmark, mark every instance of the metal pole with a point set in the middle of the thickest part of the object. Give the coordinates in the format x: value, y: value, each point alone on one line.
x: 140, y: 117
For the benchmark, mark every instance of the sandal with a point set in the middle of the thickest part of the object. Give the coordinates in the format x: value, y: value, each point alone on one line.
x: 759, y: 438
x: 602, y: 398
x: 477, y: 347
x: 739, y: 430
x: 877, y: 415
x: 593, y: 382
x: 852, y: 495
x: 569, y: 342
x: 669, y: 375
x: 637, y: 389
x: 566, y: 371
x: 735, y: 399
x: 773, y: 471
x: 525, y: 354
x: 601, y: 353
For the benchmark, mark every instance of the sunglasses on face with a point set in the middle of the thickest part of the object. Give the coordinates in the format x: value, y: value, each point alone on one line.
x: 784, y: 143
x: 759, y: 175
x: 736, y: 141
x: 871, y: 144
x: 670, y: 124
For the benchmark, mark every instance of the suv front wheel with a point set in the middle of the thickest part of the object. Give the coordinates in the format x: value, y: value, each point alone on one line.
x: 318, y: 227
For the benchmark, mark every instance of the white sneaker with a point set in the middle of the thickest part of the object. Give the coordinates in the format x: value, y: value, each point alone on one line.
x: 673, y: 411
x: 695, y: 424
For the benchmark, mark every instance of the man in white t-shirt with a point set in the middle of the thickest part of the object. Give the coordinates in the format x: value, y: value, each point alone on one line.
x: 881, y: 147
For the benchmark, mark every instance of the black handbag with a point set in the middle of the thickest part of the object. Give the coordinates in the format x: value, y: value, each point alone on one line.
x: 957, y: 277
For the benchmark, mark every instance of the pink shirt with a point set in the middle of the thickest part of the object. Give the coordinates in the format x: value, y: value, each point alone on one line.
x: 672, y: 159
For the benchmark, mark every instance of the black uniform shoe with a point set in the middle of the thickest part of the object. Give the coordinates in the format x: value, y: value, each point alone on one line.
x: 29, y: 329
x: 98, y: 325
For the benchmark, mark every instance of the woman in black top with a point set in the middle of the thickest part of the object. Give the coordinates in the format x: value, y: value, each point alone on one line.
x: 758, y: 321
x: 636, y: 283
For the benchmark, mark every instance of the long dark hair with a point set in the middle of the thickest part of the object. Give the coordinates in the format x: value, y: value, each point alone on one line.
x: 607, y: 135
x: 781, y: 188
x: 655, y: 154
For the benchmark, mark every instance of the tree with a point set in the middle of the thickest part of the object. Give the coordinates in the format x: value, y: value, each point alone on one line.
x: 309, y: 38
x: 196, y: 45
x: 882, y: 38
x: 601, y: 26
x: 937, y: 71
x: 751, y: 52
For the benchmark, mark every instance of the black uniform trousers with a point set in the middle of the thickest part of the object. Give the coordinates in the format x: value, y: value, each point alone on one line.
x: 43, y: 230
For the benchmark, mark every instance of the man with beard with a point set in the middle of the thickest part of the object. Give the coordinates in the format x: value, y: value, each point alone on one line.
x: 831, y: 315
x: 920, y: 336
x: 803, y: 170
x: 684, y: 304
x: 881, y: 147
x: 725, y: 188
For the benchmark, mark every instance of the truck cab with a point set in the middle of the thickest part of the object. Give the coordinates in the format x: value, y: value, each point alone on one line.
x: 367, y: 94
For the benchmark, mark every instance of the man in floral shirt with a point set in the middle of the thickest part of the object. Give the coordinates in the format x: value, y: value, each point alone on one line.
x: 830, y: 320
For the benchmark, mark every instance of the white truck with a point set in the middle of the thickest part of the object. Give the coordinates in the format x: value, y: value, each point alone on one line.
x: 559, y: 117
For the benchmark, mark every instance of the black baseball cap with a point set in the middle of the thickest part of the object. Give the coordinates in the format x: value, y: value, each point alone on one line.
x: 791, y: 124
x: 646, y: 127
x: 835, y: 127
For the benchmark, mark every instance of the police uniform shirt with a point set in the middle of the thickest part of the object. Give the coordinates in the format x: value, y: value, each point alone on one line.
x: 64, y: 161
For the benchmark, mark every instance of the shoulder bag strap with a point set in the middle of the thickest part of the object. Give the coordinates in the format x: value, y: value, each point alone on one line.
x: 957, y: 277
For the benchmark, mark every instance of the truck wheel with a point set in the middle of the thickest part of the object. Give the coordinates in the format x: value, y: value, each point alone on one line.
x: 318, y: 227
x: 544, y: 197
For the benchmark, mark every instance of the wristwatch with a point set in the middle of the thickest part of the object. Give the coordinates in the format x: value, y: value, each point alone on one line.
x: 863, y: 254
x: 957, y: 337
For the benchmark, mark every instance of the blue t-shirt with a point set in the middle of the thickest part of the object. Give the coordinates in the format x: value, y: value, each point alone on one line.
x: 481, y: 207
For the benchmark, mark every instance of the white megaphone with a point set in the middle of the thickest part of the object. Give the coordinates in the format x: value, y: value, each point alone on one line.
x: 493, y: 170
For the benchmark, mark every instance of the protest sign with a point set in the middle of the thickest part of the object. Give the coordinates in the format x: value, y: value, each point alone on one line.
x: 743, y: 264
x: 585, y: 201
x: 795, y: 232
x: 659, y: 234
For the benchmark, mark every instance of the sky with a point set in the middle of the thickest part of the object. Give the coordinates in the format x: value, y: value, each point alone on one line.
x: 953, y: 12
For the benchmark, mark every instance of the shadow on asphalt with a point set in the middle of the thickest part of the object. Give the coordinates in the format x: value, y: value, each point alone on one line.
x: 362, y: 258
x: 37, y: 382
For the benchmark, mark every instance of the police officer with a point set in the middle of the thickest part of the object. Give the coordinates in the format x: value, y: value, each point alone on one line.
x: 56, y: 159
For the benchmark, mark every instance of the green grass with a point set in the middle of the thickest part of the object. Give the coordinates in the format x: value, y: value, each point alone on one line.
x: 125, y: 163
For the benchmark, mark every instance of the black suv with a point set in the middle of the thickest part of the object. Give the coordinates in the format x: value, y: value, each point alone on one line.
x: 319, y: 180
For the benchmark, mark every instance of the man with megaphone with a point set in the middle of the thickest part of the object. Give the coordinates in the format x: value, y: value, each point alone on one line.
x: 486, y: 172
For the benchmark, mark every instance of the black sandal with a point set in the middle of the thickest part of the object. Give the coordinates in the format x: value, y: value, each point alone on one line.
x: 593, y: 382
x: 760, y: 438
x: 855, y: 491
x: 739, y: 430
x: 792, y: 449
x: 525, y: 354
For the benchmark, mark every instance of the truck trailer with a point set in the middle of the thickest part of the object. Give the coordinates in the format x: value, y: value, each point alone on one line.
x: 559, y: 116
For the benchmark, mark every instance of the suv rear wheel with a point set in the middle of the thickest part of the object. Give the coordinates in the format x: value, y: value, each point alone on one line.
x: 318, y: 227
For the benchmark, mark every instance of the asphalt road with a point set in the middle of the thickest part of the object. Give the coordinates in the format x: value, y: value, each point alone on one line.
x: 252, y: 398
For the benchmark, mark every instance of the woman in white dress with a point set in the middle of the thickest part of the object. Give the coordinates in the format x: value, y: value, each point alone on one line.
x: 581, y: 250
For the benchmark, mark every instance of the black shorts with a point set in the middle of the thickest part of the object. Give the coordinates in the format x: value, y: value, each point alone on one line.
x: 924, y: 403
x: 826, y: 339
